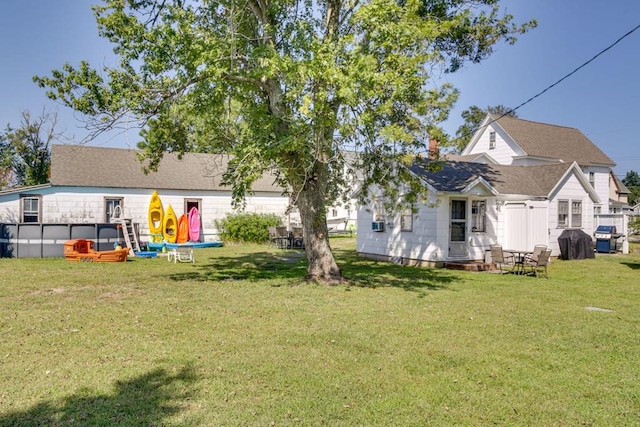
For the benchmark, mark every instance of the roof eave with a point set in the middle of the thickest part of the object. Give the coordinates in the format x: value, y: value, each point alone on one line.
x: 479, y: 182
x: 25, y: 189
x: 542, y: 158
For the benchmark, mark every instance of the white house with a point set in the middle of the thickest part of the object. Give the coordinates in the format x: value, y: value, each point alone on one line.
x: 513, y: 141
x: 474, y: 205
x: 517, y: 183
x: 86, y: 184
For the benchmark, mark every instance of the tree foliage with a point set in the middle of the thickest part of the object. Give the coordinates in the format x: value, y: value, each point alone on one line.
x: 473, y: 118
x: 25, y: 151
x: 287, y: 86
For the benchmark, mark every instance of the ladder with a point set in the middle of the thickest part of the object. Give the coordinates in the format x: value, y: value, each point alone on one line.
x: 128, y: 230
x: 130, y: 236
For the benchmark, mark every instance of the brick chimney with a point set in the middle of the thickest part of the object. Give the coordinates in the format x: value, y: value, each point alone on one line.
x: 434, y: 151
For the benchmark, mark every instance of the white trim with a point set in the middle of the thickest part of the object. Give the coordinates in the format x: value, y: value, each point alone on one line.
x: 20, y: 190
x: 476, y: 182
x: 575, y: 169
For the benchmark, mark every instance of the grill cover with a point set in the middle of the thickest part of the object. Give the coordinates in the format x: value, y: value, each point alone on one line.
x: 575, y: 244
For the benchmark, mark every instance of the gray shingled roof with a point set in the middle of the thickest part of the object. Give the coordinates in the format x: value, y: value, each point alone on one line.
x: 84, y: 166
x: 537, y: 181
x: 559, y: 142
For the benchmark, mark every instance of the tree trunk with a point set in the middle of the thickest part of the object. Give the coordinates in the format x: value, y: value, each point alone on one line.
x: 322, y: 266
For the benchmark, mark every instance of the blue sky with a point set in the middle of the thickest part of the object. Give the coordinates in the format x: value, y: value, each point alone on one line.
x: 602, y: 99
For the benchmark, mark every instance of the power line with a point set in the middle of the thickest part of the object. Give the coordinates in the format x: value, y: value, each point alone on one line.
x: 576, y: 70
x: 565, y: 77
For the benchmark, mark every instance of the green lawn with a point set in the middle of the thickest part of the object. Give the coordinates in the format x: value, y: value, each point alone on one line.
x: 238, y: 340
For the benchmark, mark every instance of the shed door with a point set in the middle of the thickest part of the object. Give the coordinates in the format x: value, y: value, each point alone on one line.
x: 458, y: 229
x: 526, y: 225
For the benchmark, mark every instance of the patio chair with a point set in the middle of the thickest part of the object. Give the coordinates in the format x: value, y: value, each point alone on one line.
x: 537, y: 250
x: 501, y: 258
x: 278, y: 237
x: 273, y: 237
x: 182, y: 254
x: 283, y: 237
x: 541, y: 263
x: 298, y: 240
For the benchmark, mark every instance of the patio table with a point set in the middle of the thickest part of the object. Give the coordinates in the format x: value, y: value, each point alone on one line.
x: 518, y: 260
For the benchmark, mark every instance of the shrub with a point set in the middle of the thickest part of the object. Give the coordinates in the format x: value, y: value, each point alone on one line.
x: 247, y: 227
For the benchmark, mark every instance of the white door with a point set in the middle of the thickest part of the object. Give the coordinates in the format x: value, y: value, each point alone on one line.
x: 526, y: 225
x: 538, y: 224
x: 458, y: 229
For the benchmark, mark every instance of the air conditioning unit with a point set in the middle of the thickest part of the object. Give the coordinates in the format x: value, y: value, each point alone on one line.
x: 377, y: 225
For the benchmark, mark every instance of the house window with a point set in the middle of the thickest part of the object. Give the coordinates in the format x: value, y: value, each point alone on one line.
x: 334, y: 213
x: 576, y: 214
x: 31, y: 208
x: 563, y: 213
x: 110, y: 205
x: 592, y: 179
x: 478, y: 216
x: 492, y: 140
x: 569, y: 213
x: 406, y: 219
x: 597, y: 210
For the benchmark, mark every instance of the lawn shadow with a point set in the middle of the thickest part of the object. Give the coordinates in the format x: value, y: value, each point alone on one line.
x: 363, y: 272
x: 254, y: 266
x: 632, y: 265
x: 142, y: 401
x: 292, y: 265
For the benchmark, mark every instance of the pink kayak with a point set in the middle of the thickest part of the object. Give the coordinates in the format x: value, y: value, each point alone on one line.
x: 194, y: 225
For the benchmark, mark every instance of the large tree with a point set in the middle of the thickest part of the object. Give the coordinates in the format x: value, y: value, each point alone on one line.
x: 286, y: 86
x: 25, y: 151
x: 473, y: 118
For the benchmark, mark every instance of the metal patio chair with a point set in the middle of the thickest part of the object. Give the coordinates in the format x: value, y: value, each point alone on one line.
x: 537, y: 250
x: 501, y: 258
x: 541, y: 263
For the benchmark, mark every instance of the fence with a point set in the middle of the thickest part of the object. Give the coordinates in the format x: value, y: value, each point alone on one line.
x: 621, y: 221
x: 35, y: 240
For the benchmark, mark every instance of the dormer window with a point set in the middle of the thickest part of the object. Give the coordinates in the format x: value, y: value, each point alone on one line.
x: 492, y: 140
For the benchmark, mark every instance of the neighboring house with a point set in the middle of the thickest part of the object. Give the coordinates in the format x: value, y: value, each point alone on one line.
x: 517, y: 183
x: 618, y: 195
x: 513, y: 141
x: 474, y: 205
x: 88, y: 182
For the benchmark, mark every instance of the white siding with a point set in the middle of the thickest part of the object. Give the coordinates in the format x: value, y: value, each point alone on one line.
x: 504, y: 150
x: 87, y: 205
x: 571, y: 189
x: 601, y: 175
x: 10, y: 210
x: 429, y: 239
